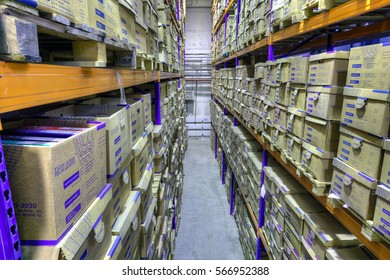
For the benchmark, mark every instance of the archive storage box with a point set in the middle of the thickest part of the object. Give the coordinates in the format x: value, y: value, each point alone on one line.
x: 128, y: 227
x: 382, y: 210
x: 328, y: 69
x: 104, y: 16
x: 281, y: 95
x: 322, y: 134
x: 322, y: 231
x: 367, y: 110
x: 297, y: 206
x: 283, y: 70
x: 351, y: 253
x: 317, y: 162
x: 294, y: 148
x: 137, y: 6
x: 279, y: 139
x: 296, y: 121
x: 361, y: 151
x: 297, y: 96
x: 117, y: 128
x: 127, y: 25
x: 299, y: 69
x: 280, y: 117
x: 114, y: 249
x: 324, y: 102
x: 63, y: 159
x: 293, y: 244
x: 385, y: 175
x: 88, y: 239
x: 146, y: 101
x: 368, y: 67
x: 354, y: 188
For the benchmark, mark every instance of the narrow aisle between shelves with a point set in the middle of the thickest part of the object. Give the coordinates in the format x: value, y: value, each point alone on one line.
x: 207, y: 231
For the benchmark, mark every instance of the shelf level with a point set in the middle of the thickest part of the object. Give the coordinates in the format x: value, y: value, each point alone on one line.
x: 380, y: 249
x: 44, y: 84
x: 264, y: 242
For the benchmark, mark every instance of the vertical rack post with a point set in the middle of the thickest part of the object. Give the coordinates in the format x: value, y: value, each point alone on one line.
x: 238, y: 23
x: 9, y: 237
x: 157, y: 98
x: 329, y: 45
x: 232, y: 194
x: 264, y: 163
x: 223, y: 166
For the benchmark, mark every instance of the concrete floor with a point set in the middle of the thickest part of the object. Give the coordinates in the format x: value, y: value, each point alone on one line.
x: 207, y: 231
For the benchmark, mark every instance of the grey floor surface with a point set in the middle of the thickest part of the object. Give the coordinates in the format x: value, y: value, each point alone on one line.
x: 207, y: 231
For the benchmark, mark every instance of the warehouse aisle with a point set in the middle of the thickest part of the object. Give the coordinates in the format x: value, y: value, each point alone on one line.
x: 207, y: 231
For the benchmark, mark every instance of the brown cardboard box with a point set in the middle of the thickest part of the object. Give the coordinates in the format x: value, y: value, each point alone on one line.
x: 279, y: 139
x: 385, y: 177
x: 297, y: 96
x: 69, y: 173
x: 293, y: 241
x: 324, y: 102
x: 141, y: 161
x: 361, y: 151
x: 137, y: 120
x: 88, y: 239
x: 322, y: 134
x: 280, y: 117
x: 317, y: 162
x: 140, y: 36
x: 382, y: 210
x: 294, y: 148
x: 367, y: 110
x: 104, y: 16
x: 137, y: 6
x: 368, y: 67
x: 146, y: 100
x: 354, y: 188
x: 127, y: 24
x: 117, y: 128
x: 321, y: 231
x: 128, y: 226
x: 328, y: 69
x: 299, y: 69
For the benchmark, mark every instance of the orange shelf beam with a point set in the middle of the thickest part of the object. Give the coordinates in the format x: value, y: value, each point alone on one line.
x: 26, y: 85
x: 380, y: 249
x: 221, y: 19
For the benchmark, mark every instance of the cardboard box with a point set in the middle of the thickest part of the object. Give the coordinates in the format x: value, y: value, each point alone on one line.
x: 385, y: 176
x: 296, y: 121
x: 354, y: 188
x: 80, y: 10
x: 283, y: 70
x: 322, y: 134
x: 147, y: 11
x: 141, y: 155
x: 121, y: 187
x: 88, y: 239
x: 361, y: 151
x: 321, y: 231
x: 267, y: 109
x: 70, y: 172
x: 382, y: 210
x: 297, y: 206
x: 281, y: 94
x: 368, y: 66
x: 117, y: 128
x: 137, y: 120
x: 114, y: 249
x: 294, y: 148
x: 280, y: 117
x: 148, y: 230
x: 325, y: 102
x: 145, y: 186
x: 141, y: 37
x: 328, y: 69
x: 292, y: 240
x: 297, y: 96
x: 159, y: 138
x: 146, y: 101
x: 352, y: 253
x: 128, y: 227
x: 276, y: 232
x: 127, y: 25
x: 137, y: 6
x: 317, y: 162
x: 299, y: 69
x: 270, y: 91
x: 160, y: 161
x: 367, y: 110
x: 279, y: 139
x: 277, y: 214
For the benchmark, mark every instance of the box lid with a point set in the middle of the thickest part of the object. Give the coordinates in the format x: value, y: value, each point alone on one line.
x: 329, y: 230
x: 386, y: 145
x: 150, y: 217
x: 302, y: 204
x: 297, y: 112
x: 294, y: 138
x: 256, y: 159
x: 359, y: 136
x: 382, y: 95
x: 288, y: 185
x: 326, y: 89
x: 309, y: 150
x: 353, y: 253
x: 330, y: 55
x: 353, y: 174
x: 115, y: 248
x: 128, y: 217
x: 383, y: 192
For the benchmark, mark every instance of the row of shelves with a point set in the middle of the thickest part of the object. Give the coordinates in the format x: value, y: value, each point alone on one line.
x: 297, y: 36
x: 380, y: 249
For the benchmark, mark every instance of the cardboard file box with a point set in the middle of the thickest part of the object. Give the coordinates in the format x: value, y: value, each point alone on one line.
x: 114, y: 249
x: 294, y: 148
x: 322, y: 134
x: 317, y: 162
x: 354, y: 188
x: 279, y: 139
x: 296, y: 121
x: 324, y: 102
x: 280, y: 117
x: 281, y: 94
x: 297, y: 96
x: 293, y: 241
x: 382, y: 210
x: 385, y: 176
x: 299, y: 69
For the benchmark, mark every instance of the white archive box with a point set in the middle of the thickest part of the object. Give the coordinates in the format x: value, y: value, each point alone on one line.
x: 367, y: 110
x: 268, y: 110
x: 354, y: 188
x: 256, y: 166
x: 294, y: 148
x: 283, y: 68
x: 323, y: 230
x: 324, y: 102
x: 276, y: 232
x: 385, y: 177
x: 299, y: 69
x: 296, y: 121
x: 281, y: 94
x: 293, y: 240
x: 277, y: 214
x: 328, y: 68
x: 317, y: 162
x: 280, y: 117
x: 270, y: 173
x: 259, y: 70
x: 297, y: 206
x: 361, y: 151
x: 270, y: 91
x: 297, y: 96
x: 351, y: 253
x: 382, y: 212
x: 279, y: 139
x: 322, y: 134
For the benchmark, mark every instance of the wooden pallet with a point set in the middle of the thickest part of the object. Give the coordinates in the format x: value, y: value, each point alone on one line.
x: 145, y: 62
x: 314, y: 7
x: 319, y: 188
x: 51, y: 39
x: 288, y: 159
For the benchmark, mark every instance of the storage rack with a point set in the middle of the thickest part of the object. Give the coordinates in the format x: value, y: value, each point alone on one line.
x: 307, y: 35
x: 25, y: 85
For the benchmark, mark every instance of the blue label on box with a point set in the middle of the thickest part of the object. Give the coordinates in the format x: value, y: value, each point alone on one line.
x: 356, y: 75
x: 347, y: 120
x: 118, y: 161
x: 117, y: 140
x: 118, y: 152
x: 72, y: 199
x: 352, y: 106
x: 355, y: 82
x: 349, y: 114
x: 344, y: 157
x: 345, y: 151
x: 356, y: 66
x: 99, y: 13
x: 71, y: 179
x: 100, y: 25
x: 387, y: 212
x: 73, y: 213
x: 385, y: 222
